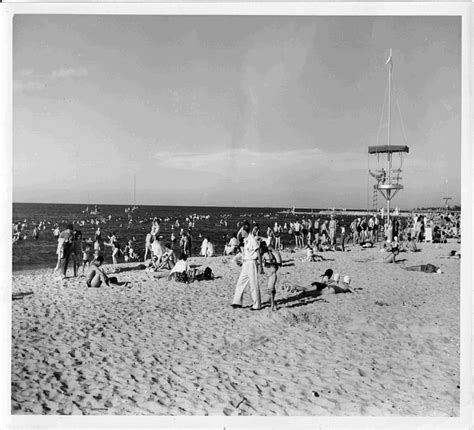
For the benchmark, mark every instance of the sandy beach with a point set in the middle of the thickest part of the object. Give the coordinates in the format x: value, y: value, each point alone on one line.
x: 158, y: 347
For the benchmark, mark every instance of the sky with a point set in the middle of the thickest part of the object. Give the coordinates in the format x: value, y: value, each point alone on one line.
x: 274, y: 111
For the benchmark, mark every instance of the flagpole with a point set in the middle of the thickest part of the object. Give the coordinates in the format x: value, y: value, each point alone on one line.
x: 389, y: 155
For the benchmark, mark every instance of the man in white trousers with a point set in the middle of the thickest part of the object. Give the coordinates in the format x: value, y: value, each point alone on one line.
x: 248, y: 276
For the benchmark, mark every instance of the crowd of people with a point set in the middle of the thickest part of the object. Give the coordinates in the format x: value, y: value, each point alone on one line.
x: 257, y: 250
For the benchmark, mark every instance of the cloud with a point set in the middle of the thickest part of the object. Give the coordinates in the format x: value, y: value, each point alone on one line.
x: 70, y: 72
x: 28, y: 86
x: 247, y: 161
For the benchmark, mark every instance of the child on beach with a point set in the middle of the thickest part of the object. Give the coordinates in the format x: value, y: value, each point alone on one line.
x: 86, y: 257
x: 270, y: 262
x: 115, y: 254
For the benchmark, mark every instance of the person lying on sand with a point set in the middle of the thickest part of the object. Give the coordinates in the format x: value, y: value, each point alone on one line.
x: 426, y: 268
x: 202, y: 275
x: 96, y: 276
x: 453, y: 254
x: 331, y: 286
x: 312, y: 256
x: 367, y: 244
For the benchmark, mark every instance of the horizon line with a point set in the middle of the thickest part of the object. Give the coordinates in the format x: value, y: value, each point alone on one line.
x: 243, y: 207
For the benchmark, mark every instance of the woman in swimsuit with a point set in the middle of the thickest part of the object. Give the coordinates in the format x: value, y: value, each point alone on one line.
x: 270, y: 263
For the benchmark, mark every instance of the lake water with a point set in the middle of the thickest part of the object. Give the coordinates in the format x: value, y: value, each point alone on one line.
x: 41, y: 253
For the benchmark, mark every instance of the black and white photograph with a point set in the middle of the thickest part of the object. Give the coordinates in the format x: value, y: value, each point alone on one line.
x: 237, y: 215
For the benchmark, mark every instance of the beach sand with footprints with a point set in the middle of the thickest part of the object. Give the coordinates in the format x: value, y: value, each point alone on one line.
x: 157, y: 347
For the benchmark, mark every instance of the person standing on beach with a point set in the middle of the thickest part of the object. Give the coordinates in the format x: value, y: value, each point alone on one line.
x: 148, y: 240
x: 77, y: 251
x: 67, y: 237
x: 155, y: 227
x: 332, y: 230
x: 271, y: 263
x: 297, y: 232
x: 185, y: 243
x: 115, y: 255
x: 277, y: 230
x: 240, y: 236
x: 98, y: 234
x: 248, y: 275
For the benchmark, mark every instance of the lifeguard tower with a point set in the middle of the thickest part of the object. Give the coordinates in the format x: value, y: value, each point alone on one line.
x: 388, y: 178
x: 446, y: 199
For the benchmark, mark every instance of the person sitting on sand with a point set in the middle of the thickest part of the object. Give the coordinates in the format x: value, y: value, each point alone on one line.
x: 232, y: 247
x: 270, y: 263
x: 96, y: 275
x: 412, y: 245
x: 181, y: 271
x: 426, y: 268
x: 158, y: 249
x: 393, y: 251
x: 165, y: 262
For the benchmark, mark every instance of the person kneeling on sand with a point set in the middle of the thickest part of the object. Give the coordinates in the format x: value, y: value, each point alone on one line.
x: 96, y: 276
x: 426, y: 268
